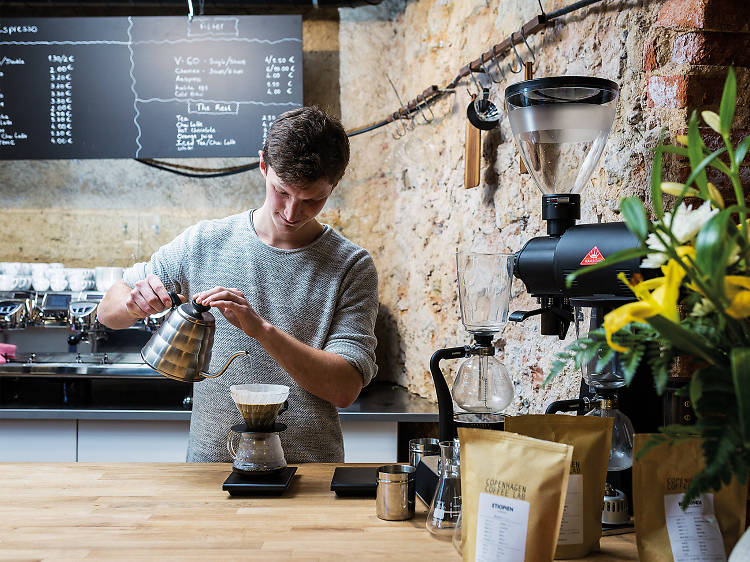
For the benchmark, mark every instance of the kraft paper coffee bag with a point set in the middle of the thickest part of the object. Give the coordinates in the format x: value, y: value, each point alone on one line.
x: 513, y: 492
x: 706, y: 531
x: 590, y: 437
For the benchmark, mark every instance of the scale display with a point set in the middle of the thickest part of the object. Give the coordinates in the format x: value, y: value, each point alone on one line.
x: 144, y: 87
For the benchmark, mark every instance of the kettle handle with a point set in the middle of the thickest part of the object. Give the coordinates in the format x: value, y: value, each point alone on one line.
x: 230, y: 447
x: 176, y: 301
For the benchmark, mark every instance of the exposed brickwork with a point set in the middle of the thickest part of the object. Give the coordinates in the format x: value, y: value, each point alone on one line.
x: 649, y: 56
x: 701, y: 90
x: 711, y: 48
x: 667, y: 91
x: 719, y: 15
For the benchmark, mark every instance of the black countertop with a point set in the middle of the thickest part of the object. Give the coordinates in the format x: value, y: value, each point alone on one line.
x: 376, y: 403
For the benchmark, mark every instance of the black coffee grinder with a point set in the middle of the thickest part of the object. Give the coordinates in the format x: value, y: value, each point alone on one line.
x: 561, y: 125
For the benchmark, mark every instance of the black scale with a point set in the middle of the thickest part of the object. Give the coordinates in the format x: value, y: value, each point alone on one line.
x: 273, y: 485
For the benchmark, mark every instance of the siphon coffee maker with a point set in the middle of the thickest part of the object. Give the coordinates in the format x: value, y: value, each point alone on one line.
x: 482, y: 388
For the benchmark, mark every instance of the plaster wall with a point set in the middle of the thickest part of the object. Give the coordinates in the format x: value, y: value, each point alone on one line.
x: 405, y: 198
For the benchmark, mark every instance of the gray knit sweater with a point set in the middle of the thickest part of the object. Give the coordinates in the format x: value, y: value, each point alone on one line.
x: 324, y: 294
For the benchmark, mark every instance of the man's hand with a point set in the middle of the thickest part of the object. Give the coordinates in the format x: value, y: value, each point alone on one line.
x: 235, y: 308
x: 322, y: 373
x: 148, y: 297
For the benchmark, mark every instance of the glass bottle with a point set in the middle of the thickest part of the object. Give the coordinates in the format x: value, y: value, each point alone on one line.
x: 445, y: 507
x: 457, y: 544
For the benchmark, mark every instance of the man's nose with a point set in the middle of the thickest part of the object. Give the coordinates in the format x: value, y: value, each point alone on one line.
x: 292, y: 208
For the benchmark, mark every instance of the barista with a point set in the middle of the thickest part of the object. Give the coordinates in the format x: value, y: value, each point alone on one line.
x: 294, y: 292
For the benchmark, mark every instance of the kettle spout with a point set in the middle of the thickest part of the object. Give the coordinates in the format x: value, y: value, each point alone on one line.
x: 226, y: 365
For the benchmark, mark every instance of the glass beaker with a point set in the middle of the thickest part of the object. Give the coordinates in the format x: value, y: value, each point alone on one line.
x: 484, y: 282
x: 457, y: 537
x: 445, y: 507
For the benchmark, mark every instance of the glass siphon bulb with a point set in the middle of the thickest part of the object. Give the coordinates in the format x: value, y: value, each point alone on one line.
x: 621, y: 449
x: 482, y: 385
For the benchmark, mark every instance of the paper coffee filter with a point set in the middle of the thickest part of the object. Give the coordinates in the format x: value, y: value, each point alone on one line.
x: 259, y: 393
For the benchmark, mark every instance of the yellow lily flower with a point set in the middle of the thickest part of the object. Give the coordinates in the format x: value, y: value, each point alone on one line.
x: 737, y: 288
x: 657, y: 296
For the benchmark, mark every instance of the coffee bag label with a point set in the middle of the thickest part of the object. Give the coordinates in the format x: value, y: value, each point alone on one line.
x: 571, y: 529
x: 694, y: 533
x: 502, y: 524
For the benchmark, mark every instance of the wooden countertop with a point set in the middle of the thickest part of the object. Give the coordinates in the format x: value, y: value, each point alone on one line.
x: 141, y: 511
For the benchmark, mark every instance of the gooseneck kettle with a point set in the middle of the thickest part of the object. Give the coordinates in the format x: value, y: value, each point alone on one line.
x: 181, y: 348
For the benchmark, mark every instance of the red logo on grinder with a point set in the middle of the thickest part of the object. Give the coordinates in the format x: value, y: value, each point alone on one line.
x: 594, y: 256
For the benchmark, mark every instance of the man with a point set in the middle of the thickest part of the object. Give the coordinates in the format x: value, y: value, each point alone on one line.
x: 292, y: 291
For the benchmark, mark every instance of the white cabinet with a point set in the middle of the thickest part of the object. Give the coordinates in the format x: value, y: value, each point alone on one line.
x: 38, y: 440
x: 91, y: 440
x: 370, y: 441
x: 132, y: 441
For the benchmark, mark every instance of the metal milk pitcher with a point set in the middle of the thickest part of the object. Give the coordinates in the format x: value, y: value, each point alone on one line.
x: 181, y: 348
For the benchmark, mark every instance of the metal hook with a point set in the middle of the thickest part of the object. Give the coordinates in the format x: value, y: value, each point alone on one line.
x: 476, y: 82
x: 518, y: 57
x: 401, y: 105
x: 427, y: 105
x: 531, y: 52
x: 497, y: 63
x: 412, y: 124
x: 488, y: 73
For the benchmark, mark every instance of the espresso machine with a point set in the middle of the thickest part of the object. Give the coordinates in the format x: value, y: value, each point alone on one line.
x: 57, y: 356
x: 561, y: 125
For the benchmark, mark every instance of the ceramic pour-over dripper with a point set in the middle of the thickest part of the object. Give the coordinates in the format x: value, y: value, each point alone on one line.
x: 259, y: 404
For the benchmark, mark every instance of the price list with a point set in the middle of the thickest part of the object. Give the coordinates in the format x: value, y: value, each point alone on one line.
x: 265, y: 122
x: 279, y: 75
x: 61, y: 68
x: 10, y: 136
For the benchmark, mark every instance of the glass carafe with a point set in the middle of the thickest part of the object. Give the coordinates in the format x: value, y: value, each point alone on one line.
x: 445, y: 507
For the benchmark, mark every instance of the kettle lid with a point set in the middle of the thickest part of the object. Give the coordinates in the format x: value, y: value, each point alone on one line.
x: 194, y: 310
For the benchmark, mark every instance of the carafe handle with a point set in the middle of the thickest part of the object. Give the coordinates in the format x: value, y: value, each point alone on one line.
x: 284, y: 407
x: 230, y: 447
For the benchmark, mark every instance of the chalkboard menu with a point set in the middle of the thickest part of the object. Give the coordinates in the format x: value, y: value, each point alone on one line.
x: 145, y: 87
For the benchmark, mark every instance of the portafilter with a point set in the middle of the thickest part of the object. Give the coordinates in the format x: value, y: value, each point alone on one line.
x: 181, y: 348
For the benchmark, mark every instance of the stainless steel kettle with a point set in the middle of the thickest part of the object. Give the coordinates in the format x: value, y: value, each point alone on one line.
x: 181, y: 348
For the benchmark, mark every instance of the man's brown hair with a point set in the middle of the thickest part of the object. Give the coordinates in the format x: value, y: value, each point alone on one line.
x: 305, y: 145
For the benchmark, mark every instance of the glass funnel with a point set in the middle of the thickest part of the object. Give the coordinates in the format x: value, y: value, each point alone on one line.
x: 484, y: 282
x: 561, y: 125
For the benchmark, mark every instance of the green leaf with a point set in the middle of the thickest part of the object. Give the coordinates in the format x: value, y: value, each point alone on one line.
x: 739, y: 155
x: 679, y: 150
x: 630, y: 361
x: 685, y: 340
x: 612, y: 259
x: 604, y: 360
x: 634, y: 213
x: 740, y: 363
x: 728, y: 102
x: 702, y: 166
x: 713, y: 246
x: 695, y: 154
x: 656, y: 195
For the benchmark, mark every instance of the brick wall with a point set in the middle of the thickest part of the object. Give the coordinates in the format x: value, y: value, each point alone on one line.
x: 686, y: 57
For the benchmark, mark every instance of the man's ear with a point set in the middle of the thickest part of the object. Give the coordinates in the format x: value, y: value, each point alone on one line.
x: 262, y: 164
